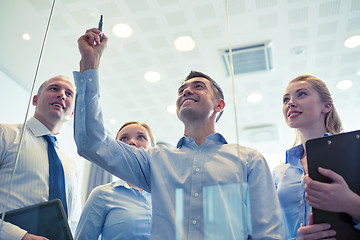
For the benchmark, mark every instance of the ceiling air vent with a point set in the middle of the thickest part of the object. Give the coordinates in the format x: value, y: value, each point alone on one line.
x: 261, y: 133
x: 250, y: 59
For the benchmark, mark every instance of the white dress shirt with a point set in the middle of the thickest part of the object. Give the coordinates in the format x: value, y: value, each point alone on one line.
x: 31, y: 181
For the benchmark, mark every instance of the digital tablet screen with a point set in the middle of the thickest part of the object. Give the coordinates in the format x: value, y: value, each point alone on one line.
x: 44, y: 219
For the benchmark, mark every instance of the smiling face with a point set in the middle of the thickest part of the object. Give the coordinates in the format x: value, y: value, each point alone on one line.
x: 197, y: 100
x: 134, y: 135
x: 303, y: 108
x: 55, y: 101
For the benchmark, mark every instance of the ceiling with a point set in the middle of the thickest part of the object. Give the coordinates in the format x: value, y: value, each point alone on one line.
x: 317, y: 27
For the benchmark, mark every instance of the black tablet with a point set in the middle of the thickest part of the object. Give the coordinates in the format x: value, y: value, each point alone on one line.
x: 45, y: 219
x: 341, y: 154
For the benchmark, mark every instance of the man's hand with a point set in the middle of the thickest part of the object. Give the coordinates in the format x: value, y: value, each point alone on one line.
x: 91, y: 49
x: 315, y: 231
x: 335, y: 196
x: 29, y: 236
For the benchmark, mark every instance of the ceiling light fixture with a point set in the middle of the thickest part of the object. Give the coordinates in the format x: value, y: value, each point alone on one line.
x: 344, y: 84
x: 254, y: 97
x: 352, y: 42
x: 26, y: 36
x: 298, y: 51
x: 122, y: 30
x: 184, y: 44
x: 152, y: 76
x: 171, y: 109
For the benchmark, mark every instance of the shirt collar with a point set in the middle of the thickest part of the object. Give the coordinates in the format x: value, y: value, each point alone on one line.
x: 120, y: 183
x: 216, y: 137
x: 327, y: 134
x: 294, y: 154
x: 37, y: 128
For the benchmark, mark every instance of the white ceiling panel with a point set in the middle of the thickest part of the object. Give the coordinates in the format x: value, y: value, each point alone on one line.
x: 317, y: 27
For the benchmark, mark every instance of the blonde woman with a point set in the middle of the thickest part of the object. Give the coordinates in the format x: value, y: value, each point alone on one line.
x: 309, y: 109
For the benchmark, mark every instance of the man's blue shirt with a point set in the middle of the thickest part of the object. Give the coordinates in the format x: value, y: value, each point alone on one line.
x: 213, y: 191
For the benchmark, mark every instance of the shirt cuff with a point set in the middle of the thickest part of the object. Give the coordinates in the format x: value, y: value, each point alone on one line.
x: 11, y: 232
x: 88, y: 79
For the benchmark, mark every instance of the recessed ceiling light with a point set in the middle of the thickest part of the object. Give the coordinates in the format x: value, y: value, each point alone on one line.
x: 254, y: 97
x: 344, y: 84
x: 352, y: 42
x: 112, y: 120
x: 184, y: 44
x: 26, y: 36
x: 298, y: 51
x: 122, y: 30
x: 171, y: 109
x: 152, y: 76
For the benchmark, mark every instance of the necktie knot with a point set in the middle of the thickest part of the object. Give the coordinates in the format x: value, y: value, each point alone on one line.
x: 49, y: 138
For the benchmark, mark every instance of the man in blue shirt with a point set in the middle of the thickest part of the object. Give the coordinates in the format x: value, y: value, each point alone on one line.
x: 203, y: 189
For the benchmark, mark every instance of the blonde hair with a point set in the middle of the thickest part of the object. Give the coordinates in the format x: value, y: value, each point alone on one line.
x: 148, y: 129
x: 332, y: 120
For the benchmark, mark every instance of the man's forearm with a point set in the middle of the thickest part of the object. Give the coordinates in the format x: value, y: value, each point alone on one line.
x: 88, y: 63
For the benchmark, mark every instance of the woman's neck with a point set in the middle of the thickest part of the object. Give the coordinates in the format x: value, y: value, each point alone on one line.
x: 311, y: 133
x: 307, y: 134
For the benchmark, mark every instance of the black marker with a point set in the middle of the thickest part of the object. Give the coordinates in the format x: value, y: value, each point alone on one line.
x: 101, y: 27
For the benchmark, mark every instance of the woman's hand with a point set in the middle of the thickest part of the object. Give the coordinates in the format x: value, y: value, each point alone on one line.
x: 334, y: 197
x: 315, y: 231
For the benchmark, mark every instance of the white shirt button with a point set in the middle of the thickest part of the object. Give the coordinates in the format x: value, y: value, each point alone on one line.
x: 197, y: 169
x: 196, y: 194
x: 82, y: 110
x: 301, y: 202
x: 194, y: 222
x: 90, y: 79
x: 82, y: 80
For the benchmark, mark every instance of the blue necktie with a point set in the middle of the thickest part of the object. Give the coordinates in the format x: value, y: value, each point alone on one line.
x: 56, y: 174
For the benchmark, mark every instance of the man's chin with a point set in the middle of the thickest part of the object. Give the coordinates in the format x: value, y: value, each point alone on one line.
x: 61, y: 117
x: 68, y: 117
x: 186, y: 114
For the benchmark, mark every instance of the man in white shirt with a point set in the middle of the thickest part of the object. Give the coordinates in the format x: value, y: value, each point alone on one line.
x: 54, y: 104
